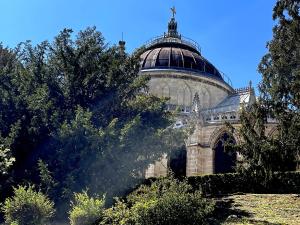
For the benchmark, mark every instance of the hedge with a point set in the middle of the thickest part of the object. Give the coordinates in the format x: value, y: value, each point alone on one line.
x: 229, y: 183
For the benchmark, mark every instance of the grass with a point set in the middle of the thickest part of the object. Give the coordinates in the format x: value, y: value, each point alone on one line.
x: 266, y: 209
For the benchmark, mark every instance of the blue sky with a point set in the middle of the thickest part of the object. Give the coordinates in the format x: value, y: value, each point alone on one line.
x: 231, y: 33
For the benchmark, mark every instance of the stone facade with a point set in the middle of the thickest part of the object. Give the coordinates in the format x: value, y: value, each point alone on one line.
x: 181, y: 88
x: 199, y: 93
x: 201, y: 149
x: 200, y: 158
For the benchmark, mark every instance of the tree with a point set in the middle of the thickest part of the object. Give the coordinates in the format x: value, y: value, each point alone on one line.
x: 47, y: 183
x: 261, y: 154
x: 279, y: 99
x: 113, y: 130
x: 280, y: 86
x: 80, y: 107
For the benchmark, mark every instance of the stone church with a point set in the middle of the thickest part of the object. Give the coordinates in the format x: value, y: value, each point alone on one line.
x: 195, y: 88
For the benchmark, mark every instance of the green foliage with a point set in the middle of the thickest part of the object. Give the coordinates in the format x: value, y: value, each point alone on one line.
x: 279, y: 100
x: 165, y: 201
x: 280, y: 69
x: 111, y: 158
x: 47, y: 183
x: 119, y: 214
x: 28, y: 207
x: 285, y: 182
x: 280, y: 66
x: 168, y: 201
x: 86, y: 210
x: 79, y: 106
x: 220, y: 184
x: 6, y: 160
x: 262, y: 155
x: 230, y: 183
x: 174, y: 209
x: 14, y: 223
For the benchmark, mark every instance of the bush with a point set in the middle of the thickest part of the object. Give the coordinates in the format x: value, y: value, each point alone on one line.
x: 28, y: 207
x: 86, y: 210
x: 168, y: 201
x: 120, y: 213
x: 220, y: 184
x: 285, y: 183
x: 174, y: 209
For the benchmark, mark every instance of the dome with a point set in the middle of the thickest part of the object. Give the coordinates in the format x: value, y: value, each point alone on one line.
x: 172, y: 51
x: 168, y: 55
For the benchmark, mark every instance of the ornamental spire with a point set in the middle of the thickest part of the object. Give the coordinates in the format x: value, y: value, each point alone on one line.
x: 172, y: 26
x: 122, y: 46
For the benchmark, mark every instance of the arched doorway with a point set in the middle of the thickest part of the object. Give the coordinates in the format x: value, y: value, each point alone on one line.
x: 224, y: 157
x: 177, y: 163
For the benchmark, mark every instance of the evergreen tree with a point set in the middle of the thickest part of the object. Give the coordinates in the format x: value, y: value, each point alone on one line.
x: 279, y: 99
x: 280, y: 86
x: 80, y: 107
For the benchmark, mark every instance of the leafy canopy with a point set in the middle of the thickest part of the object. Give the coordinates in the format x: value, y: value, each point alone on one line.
x: 81, y: 107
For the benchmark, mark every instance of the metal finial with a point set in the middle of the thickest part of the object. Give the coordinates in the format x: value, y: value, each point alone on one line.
x: 173, y: 9
x: 122, y: 45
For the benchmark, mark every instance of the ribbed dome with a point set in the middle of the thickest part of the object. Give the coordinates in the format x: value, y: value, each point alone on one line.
x: 172, y: 51
x: 173, y: 55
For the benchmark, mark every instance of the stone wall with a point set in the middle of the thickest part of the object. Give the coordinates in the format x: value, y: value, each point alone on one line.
x: 200, y: 153
x: 181, y: 87
x: 200, y: 147
x: 181, y: 91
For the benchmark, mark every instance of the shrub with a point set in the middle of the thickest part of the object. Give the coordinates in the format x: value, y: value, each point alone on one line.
x: 168, y: 201
x: 86, y: 210
x: 120, y: 213
x: 220, y: 184
x: 285, y: 182
x: 174, y: 209
x: 28, y: 207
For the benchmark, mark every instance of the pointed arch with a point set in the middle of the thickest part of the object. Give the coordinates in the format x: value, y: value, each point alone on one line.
x: 223, y: 161
x: 215, y: 136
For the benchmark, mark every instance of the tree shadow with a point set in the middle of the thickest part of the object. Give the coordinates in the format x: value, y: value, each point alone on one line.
x: 226, y: 211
